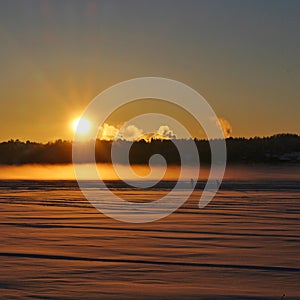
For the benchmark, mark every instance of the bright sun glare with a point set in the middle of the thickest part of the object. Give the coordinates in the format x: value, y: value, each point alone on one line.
x: 83, y: 127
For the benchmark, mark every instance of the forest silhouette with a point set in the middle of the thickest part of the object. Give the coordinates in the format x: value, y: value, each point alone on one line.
x: 280, y: 148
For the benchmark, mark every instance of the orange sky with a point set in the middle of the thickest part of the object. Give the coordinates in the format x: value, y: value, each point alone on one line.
x: 242, y: 57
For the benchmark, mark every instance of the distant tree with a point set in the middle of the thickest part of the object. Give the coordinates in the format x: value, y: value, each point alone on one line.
x: 274, y: 149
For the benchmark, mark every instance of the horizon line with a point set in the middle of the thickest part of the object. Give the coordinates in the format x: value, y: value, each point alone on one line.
x: 153, y: 139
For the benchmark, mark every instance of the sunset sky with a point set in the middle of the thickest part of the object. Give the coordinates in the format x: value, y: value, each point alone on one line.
x: 56, y: 56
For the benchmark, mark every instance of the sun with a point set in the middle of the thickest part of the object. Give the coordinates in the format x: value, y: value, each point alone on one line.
x: 81, y: 125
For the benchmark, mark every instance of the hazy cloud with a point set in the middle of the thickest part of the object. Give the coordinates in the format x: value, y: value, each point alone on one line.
x: 108, y: 132
x: 131, y: 133
x: 226, y: 126
x: 166, y: 132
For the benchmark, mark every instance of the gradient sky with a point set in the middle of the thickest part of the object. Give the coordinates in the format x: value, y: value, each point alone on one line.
x: 242, y: 56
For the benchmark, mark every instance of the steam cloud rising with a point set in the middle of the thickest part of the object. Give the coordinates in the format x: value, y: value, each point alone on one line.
x: 131, y: 133
x: 227, y: 128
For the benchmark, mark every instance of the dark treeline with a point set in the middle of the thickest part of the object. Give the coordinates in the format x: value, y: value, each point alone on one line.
x: 274, y: 149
